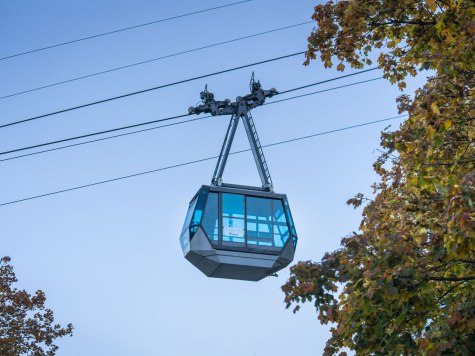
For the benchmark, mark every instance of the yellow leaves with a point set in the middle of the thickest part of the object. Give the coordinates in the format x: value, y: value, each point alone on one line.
x: 430, y: 151
x: 448, y: 35
x: 421, y: 236
x: 413, y: 180
x: 430, y: 132
x: 424, y: 187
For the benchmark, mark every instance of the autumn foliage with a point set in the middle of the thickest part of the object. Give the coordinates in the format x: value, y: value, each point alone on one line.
x: 405, y: 284
x: 26, y: 326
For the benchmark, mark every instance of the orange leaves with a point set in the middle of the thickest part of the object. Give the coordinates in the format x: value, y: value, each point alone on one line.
x: 431, y: 4
x: 25, y: 318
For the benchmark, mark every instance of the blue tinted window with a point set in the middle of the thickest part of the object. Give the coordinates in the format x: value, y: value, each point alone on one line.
x: 189, y: 214
x: 184, y: 239
x: 185, y: 236
x: 200, y: 204
x: 281, y: 228
x: 198, y: 213
x: 233, y: 219
x: 210, y: 217
x: 233, y: 205
x: 259, y: 221
x: 289, y: 216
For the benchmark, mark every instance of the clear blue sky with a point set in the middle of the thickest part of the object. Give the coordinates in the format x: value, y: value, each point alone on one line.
x: 108, y: 257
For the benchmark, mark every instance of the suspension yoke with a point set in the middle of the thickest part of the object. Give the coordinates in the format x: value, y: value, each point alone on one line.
x: 240, y: 107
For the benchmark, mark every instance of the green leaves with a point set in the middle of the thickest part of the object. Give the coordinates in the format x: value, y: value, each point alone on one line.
x: 406, y: 280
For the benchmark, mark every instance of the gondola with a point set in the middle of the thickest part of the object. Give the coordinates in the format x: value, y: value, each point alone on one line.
x: 234, y: 231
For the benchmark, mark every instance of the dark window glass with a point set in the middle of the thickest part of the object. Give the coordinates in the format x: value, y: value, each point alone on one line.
x: 185, y: 235
x: 259, y: 222
x: 184, y: 239
x: 281, y: 228
x: 289, y: 216
x: 210, y: 217
x: 189, y: 214
x: 233, y: 220
x: 199, y: 208
x: 196, y: 220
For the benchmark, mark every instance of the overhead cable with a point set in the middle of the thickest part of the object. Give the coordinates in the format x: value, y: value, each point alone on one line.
x: 178, y: 116
x: 94, y: 134
x: 321, y: 91
x: 124, y: 29
x: 150, y: 89
x: 196, y: 161
x: 152, y: 60
x: 328, y: 80
x: 103, y: 138
x: 177, y: 123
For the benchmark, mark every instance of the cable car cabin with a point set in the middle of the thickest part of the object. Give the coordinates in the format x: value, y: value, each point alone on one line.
x: 238, y: 233
x: 234, y: 231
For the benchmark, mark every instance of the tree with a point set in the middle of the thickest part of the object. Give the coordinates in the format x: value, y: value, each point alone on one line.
x: 26, y: 326
x: 405, y: 283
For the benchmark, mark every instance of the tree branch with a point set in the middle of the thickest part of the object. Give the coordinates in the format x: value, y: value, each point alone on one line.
x: 452, y: 279
x: 450, y: 290
x: 467, y: 261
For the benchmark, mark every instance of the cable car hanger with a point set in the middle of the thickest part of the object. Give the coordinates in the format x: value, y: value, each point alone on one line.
x: 241, y: 108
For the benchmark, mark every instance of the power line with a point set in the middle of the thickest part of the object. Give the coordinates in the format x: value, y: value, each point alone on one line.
x: 321, y: 91
x: 172, y: 124
x: 103, y: 139
x: 184, y: 115
x: 94, y: 134
x: 328, y: 80
x: 197, y: 161
x: 175, y: 123
x: 124, y: 29
x: 153, y: 60
x: 150, y: 89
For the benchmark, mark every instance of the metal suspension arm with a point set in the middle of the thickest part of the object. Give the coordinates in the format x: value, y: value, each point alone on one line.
x: 238, y: 109
x: 223, y: 155
x: 257, y: 151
